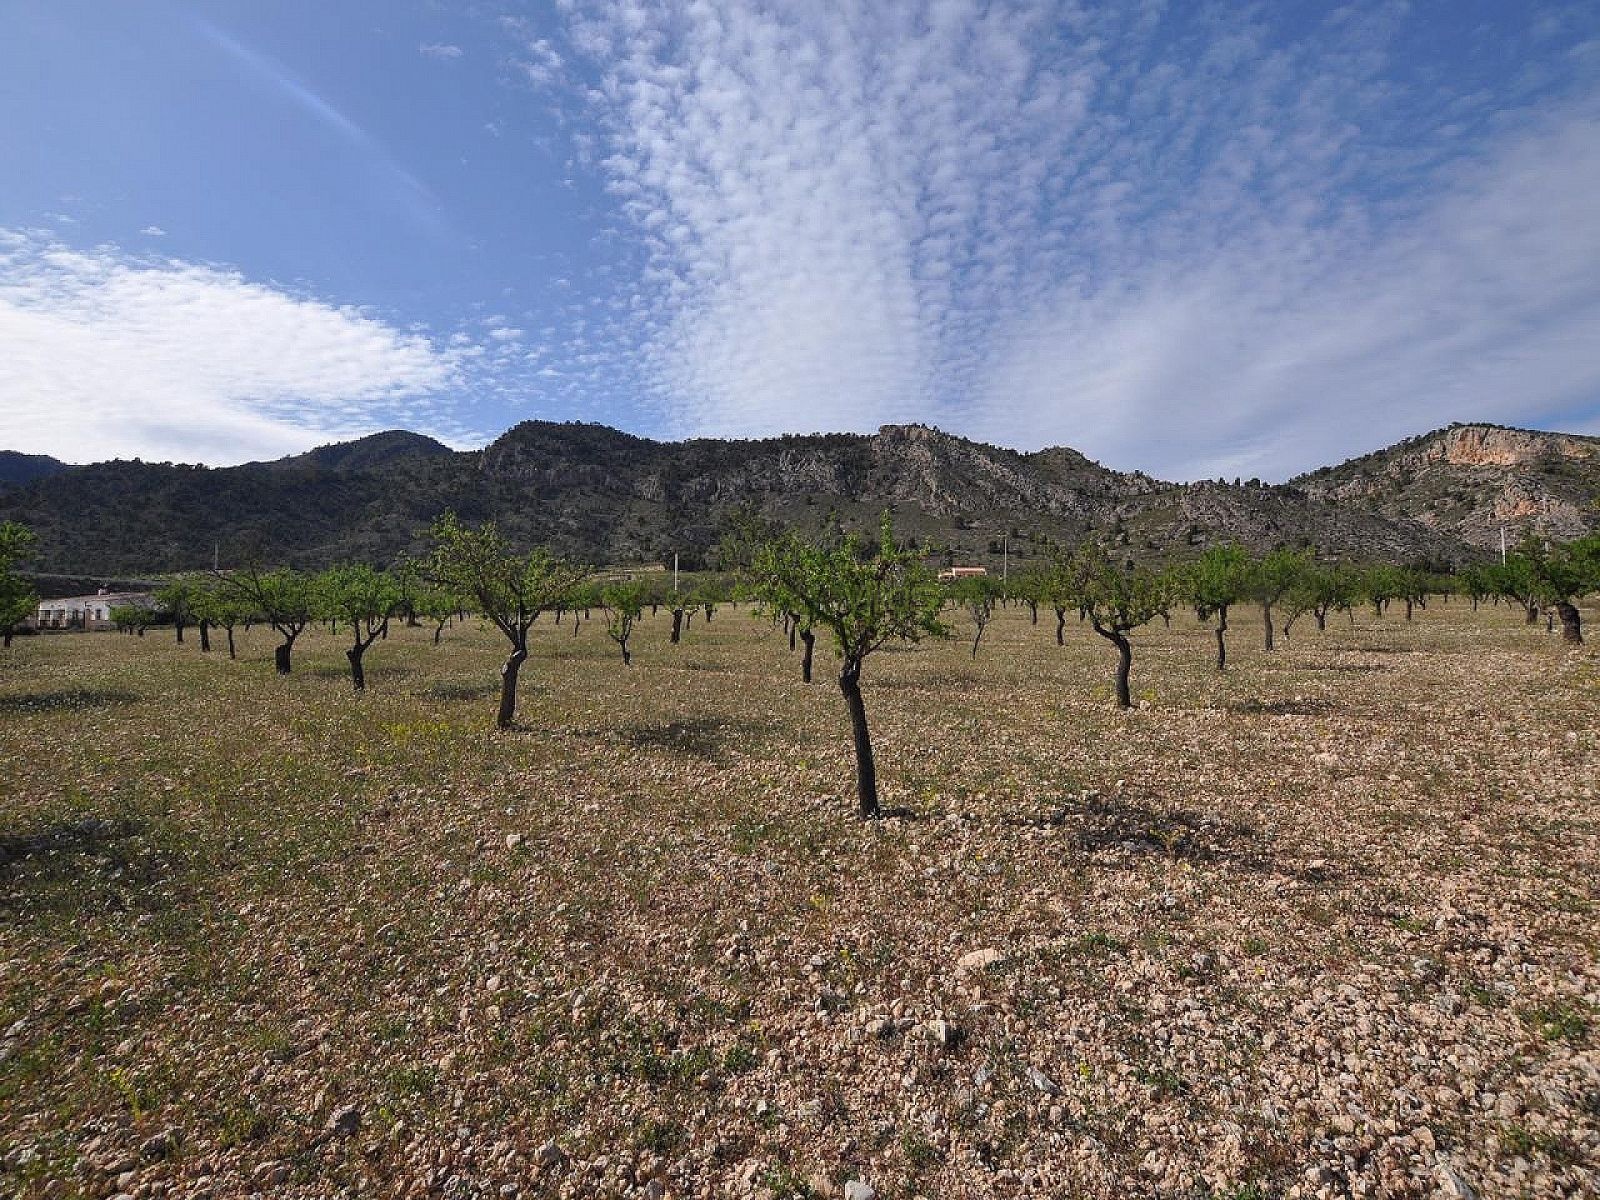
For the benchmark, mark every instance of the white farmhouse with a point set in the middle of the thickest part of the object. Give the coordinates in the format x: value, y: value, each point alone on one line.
x: 88, y: 612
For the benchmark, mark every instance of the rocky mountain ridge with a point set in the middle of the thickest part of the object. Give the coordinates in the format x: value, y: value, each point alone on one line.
x: 1473, y: 480
x: 611, y: 497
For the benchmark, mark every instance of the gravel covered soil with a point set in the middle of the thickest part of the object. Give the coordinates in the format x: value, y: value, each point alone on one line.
x: 1326, y: 925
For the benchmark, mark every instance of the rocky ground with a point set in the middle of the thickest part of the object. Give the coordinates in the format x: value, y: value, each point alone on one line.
x: 1324, y: 926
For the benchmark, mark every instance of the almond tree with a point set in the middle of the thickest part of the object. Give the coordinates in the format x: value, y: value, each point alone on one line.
x: 284, y: 598
x: 1117, y: 602
x: 1027, y: 587
x: 1319, y: 591
x: 176, y: 599
x: 864, y: 601
x: 18, y: 600
x: 214, y: 604
x: 364, y: 599
x: 978, y: 595
x: 1272, y: 577
x: 1380, y: 584
x: 439, y: 604
x: 623, y: 602
x: 509, y: 589
x: 1562, y: 576
x: 1214, y: 583
x: 1517, y: 580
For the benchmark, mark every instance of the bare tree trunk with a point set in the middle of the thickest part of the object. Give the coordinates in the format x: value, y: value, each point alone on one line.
x: 281, y: 656
x: 178, y: 625
x: 1222, y: 640
x: 205, y: 637
x: 810, y: 640
x: 1266, y: 617
x: 1033, y: 612
x: 793, y: 626
x: 232, y: 653
x: 866, y: 770
x: 508, y: 688
x: 357, y: 675
x: 1408, y: 608
x: 677, y: 625
x: 1124, y: 662
x: 1571, y: 623
x: 1061, y: 626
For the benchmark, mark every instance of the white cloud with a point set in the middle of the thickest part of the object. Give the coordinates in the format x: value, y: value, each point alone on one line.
x: 1295, y: 348
x: 153, y: 231
x: 442, y: 51
x: 107, y: 355
x: 1177, y: 238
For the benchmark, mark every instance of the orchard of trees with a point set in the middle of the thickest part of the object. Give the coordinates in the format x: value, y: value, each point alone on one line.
x: 860, y: 596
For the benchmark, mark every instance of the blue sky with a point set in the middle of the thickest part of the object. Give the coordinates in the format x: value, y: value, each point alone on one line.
x: 1195, y: 239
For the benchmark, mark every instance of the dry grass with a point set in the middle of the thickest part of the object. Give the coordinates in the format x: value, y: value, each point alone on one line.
x: 1326, y: 925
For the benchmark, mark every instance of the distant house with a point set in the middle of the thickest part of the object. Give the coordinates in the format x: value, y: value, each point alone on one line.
x: 962, y: 572
x: 88, y: 612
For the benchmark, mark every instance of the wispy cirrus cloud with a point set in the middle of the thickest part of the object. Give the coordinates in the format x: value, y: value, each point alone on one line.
x: 1193, y: 239
x: 108, y: 355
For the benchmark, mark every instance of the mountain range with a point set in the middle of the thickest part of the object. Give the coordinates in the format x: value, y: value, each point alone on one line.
x: 606, y: 496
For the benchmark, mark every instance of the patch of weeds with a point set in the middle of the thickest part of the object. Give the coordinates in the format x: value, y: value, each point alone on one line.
x: 390, y: 1029
x: 1525, y: 1143
x: 1100, y: 943
x: 920, y: 1153
x: 1485, y: 997
x: 271, y: 1039
x: 135, y: 1097
x: 1155, y: 941
x: 1562, y: 1020
x: 1164, y: 1080
x: 1255, y: 946
x: 784, y: 1182
x: 414, y: 1079
x: 242, y: 1123
x: 659, y: 1136
x: 739, y: 1058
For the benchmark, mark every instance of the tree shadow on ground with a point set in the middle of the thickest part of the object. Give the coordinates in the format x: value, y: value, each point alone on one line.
x: 70, y: 866
x: 702, y: 737
x: 1129, y: 828
x: 66, y: 700
x: 1284, y: 708
x: 334, y: 671
x: 462, y: 691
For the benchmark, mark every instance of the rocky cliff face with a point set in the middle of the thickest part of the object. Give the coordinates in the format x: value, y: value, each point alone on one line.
x: 1472, y: 480
x: 1492, y: 446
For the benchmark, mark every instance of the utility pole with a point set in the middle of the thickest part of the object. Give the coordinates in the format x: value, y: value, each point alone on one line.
x: 674, y: 572
x: 1005, y: 557
x: 1502, y: 545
